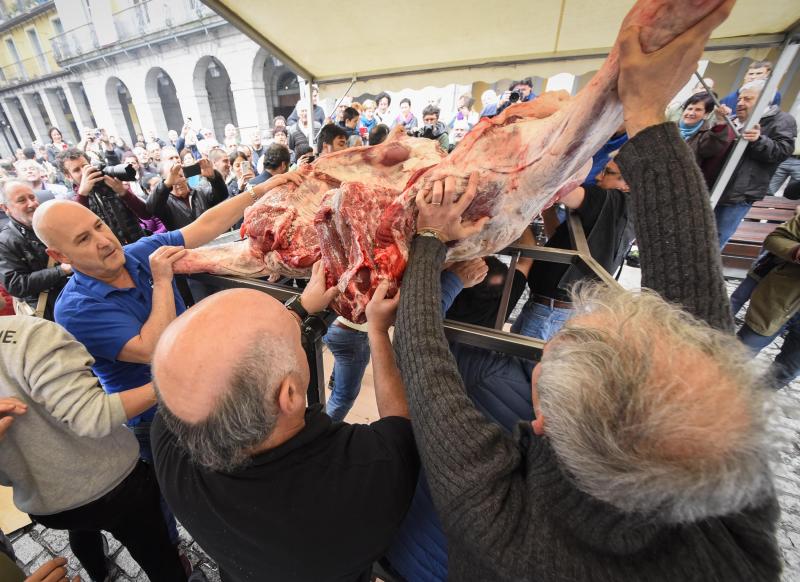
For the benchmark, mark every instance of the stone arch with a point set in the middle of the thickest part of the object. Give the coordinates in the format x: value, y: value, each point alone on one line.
x: 287, y: 90
x: 123, y: 113
x: 162, y: 99
x: 263, y: 85
x: 212, y: 86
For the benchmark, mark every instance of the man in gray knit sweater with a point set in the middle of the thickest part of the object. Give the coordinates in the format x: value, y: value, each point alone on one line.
x: 647, y: 457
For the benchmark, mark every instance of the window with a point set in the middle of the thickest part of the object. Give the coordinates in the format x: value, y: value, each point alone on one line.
x: 41, y: 58
x: 14, y: 54
x: 58, y: 28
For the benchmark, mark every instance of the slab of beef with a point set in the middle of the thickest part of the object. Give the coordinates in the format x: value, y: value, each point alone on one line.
x: 282, y: 240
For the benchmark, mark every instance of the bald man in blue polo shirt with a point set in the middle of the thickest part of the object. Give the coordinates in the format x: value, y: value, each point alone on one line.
x: 120, y: 299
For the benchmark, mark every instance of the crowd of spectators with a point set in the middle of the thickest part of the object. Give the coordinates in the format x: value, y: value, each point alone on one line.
x: 635, y: 449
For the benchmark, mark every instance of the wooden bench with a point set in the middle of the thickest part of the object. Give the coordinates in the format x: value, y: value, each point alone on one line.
x: 777, y: 202
x: 745, y: 244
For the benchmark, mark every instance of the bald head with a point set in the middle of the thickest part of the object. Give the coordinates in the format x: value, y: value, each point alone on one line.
x: 76, y: 236
x: 221, y: 370
x: 194, y: 360
x: 53, y: 220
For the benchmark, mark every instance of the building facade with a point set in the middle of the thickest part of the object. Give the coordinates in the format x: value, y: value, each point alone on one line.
x: 131, y: 66
x: 135, y: 66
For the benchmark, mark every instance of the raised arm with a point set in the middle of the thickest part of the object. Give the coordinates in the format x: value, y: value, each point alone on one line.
x: 675, y: 226
x: 464, y: 454
x: 139, y: 349
x: 214, y: 221
x: 390, y: 395
x: 219, y: 190
x: 157, y: 201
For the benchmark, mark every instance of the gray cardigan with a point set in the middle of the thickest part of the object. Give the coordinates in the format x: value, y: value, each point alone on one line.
x: 509, y: 509
x: 71, y: 447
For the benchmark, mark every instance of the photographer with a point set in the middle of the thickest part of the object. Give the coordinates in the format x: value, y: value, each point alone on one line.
x: 105, y: 195
x: 517, y: 91
x: 242, y: 172
x: 433, y: 128
x: 178, y: 205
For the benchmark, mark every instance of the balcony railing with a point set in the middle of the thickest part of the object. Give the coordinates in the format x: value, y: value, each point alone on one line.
x: 72, y: 43
x: 136, y: 22
x: 25, y: 70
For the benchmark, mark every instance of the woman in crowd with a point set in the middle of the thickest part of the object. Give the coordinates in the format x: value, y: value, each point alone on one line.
x: 56, y: 145
x: 406, y: 118
x: 382, y: 112
x: 242, y: 172
x: 704, y: 129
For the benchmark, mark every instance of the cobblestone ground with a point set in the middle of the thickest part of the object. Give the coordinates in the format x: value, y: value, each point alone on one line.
x: 35, y: 545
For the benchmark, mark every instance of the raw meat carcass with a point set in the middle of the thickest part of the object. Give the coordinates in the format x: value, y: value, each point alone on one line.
x: 526, y: 158
x: 282, y: 240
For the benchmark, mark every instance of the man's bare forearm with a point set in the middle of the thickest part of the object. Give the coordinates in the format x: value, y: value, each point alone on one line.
x: 217, y: 219
x: 390, y: 393
x: 140, y: 349
x: 138, y: 400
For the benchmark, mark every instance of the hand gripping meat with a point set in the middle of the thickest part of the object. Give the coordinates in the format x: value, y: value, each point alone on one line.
x: 526, y: 158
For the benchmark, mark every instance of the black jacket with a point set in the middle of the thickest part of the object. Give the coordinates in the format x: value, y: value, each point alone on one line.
x: 23, y: 267
x: 120, y: 213
x: 761, y: 158
x: 175, y: 213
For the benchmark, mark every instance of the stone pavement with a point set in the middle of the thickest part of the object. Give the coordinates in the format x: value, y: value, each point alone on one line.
x: 35, y: 545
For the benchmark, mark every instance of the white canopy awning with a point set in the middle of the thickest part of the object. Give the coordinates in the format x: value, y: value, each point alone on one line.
x: 420, y: 43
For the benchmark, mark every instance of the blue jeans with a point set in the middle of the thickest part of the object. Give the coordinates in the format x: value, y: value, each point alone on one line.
x: 728, y: 218
x: 742, y: 294
x: 789, y: 168
x: 350, y: 349
x: 786, y: 366
x: 540, y: 321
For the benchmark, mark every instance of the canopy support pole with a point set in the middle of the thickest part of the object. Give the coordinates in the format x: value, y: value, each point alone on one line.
x: 312, y: 141
x: 788, y: 54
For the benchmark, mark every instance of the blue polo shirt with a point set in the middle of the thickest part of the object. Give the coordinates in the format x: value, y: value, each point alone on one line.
x: 104, y: 318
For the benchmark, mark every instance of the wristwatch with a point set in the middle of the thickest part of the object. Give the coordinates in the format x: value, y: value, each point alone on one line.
x: 295, y: 305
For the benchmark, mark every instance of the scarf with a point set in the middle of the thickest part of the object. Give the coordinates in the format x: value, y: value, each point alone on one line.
x: 687, y: 131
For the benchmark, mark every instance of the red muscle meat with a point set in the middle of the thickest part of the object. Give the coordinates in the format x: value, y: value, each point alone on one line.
x: 346, y: 225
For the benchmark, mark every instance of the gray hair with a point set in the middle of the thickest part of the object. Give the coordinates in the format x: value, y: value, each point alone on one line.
x: 756, y: 86
x: 6, y: 184
x: 164, y: 167
x: 245, y: 416
x: 653, y: 411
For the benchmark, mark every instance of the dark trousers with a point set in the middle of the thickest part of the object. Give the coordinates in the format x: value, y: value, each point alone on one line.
x: 131, y: 513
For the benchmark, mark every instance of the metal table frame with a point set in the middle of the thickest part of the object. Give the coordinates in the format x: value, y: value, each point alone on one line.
x: 491, y: 339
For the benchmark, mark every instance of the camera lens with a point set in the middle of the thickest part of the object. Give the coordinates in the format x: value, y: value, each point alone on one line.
x: 124, y: 172
x: 514, y: 96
